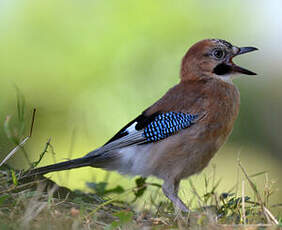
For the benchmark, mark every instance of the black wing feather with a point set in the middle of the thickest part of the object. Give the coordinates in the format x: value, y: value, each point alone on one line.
x: 142, y: 121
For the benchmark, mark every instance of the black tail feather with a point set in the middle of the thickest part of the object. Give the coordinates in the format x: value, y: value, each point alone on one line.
x: 71, y: 164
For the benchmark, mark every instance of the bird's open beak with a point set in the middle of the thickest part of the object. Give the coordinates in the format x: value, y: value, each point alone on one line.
x: 238, y: 69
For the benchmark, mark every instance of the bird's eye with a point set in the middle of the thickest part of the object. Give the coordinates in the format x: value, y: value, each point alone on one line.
x: 218, y: 53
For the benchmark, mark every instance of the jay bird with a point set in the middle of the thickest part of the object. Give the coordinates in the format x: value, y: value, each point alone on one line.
x: 178, y: 135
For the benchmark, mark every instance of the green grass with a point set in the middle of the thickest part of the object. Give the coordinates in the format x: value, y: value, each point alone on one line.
x: 41, y: 204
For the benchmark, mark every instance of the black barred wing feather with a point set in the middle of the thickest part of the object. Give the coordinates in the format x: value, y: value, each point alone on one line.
x: 138, y: 124
x: 166, y: 124
x: 147, y: 129
x: 155, y: 127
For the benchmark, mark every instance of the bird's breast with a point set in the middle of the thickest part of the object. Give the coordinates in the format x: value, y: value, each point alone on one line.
x: 221, y: 112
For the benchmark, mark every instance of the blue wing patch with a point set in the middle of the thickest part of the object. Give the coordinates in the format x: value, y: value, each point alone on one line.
x: 155, y: 127
x: 166, y: 124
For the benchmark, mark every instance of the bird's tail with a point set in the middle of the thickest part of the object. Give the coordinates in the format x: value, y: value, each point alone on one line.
x: 71, y: 164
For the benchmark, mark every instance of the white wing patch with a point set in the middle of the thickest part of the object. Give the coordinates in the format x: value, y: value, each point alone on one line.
x: 131, y: 128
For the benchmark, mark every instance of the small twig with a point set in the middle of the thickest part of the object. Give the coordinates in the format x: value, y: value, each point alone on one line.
x: 32, y: 122
x: 238, y: 172
x: 243, y: 203
x: 270, y: 215
x: 19, y: 187
x: 34, y: 164
x: 270, y: 218
x: 61, y: 202
x: 30, y: 133
x: 21, y: 144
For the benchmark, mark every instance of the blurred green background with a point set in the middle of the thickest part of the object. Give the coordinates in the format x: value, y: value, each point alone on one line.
x: 91, y: 66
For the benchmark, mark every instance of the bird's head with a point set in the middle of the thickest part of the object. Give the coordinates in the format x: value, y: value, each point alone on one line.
x: 213, y: 58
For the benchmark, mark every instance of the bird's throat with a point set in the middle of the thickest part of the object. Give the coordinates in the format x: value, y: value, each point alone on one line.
x: 222, y: 69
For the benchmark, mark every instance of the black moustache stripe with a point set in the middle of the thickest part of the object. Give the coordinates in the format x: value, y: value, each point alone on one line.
x: 222, y: 69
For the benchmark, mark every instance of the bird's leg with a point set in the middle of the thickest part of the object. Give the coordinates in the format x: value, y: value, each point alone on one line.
x: 170, y: 189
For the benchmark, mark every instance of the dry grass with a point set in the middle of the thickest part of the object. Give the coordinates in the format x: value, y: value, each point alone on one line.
x: 41, y: 204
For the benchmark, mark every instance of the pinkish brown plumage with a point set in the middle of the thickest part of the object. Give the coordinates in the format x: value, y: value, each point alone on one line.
x: 179, y: 134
